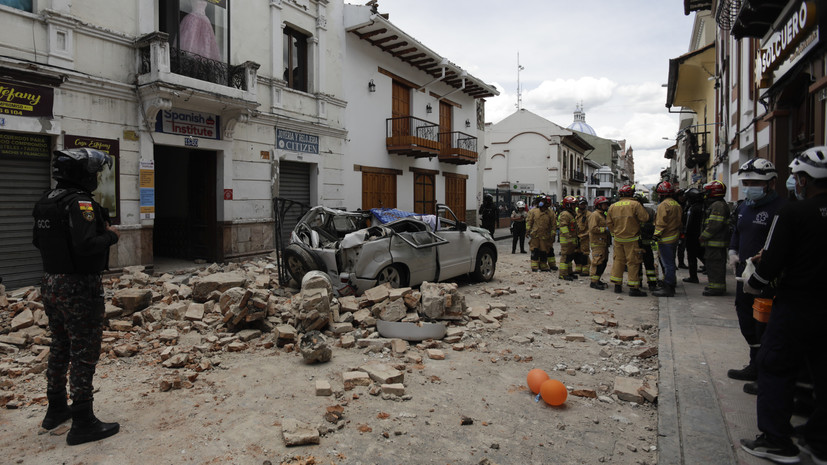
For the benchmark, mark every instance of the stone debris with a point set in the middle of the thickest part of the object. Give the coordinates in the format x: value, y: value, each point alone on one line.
x: 628, y: 389
x: 297, y: 433
x: 573, y: 337
x: 315, y: 348
x: 323, y: 388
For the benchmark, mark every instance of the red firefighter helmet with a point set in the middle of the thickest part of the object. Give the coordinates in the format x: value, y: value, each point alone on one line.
x: 569, y: 201
x: 600, y: 200
x: 665, y: 188
x: 715, y: 189
x: 626, y: 191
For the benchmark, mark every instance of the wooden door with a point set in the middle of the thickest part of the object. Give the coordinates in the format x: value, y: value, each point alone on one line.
x: 446, y: 116
x: 400, y: 108
x: 455, y: 195
x: 424, y: 194
x: 378, y: 190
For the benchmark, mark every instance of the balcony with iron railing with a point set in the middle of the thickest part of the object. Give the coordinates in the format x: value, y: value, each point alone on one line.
x: 229, y: 90
x: 577, y: 176
x: 458, y: 148
x: 411, y: 136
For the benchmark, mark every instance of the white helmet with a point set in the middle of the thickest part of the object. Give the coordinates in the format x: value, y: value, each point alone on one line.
x: 812, y: 161
x: 757, y: 169
x: 521, y: 205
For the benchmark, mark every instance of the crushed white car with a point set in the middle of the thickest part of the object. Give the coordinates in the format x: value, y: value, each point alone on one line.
x: 358, y: 253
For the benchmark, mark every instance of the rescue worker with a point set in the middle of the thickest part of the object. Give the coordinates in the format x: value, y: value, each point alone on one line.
x: 569, y: 246
x: 795, y: 257
x: 715, y: 238
x: 648, y: 245
x: 694, y: 215
x: 488, y: 213
x: 668, y: 223
x: 752, y: 225
x: 73, y: 234
x: 599, y: 240
x: 680, y: 196
x: 540, y: 227
x: 623, y: 220
x: 518, y: 218
x: 582, y: 220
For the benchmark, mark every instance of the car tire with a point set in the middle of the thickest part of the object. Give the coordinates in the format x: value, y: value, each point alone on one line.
x: 486, y: 265
x: 299, y: 262
x: 395, y: 275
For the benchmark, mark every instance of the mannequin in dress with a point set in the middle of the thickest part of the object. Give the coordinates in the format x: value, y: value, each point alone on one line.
x: 197, y: 34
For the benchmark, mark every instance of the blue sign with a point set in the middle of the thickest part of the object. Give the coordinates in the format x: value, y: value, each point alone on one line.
x: 293, y: 141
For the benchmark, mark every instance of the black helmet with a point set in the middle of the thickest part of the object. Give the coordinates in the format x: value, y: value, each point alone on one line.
x: 488, y: 198
x: 694, y: 194
x: 80, y: 166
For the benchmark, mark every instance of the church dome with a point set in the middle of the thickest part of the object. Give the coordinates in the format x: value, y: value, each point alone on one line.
x: 579, y: 123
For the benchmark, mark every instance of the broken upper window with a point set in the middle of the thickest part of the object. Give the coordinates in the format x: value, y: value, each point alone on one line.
x: 295, y: 59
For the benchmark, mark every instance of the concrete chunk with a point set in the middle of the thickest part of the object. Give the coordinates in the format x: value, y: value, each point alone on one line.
x: 195, y: 312
x: 628, y: 389
x: 323, y: 388
x: 383, y: 373
x: 23, y: 319
x: 132, y: 300
x: 296, y: 433
x: 355, y: 378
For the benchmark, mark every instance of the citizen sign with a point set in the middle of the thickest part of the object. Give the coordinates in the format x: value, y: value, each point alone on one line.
x: 292, y: 141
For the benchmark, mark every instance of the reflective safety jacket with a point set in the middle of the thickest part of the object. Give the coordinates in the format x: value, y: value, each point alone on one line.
x: 716, y: 224
x: 582, y: 220
x: 568, y: 228
x: 598, y: 232
x: 541, y: 224
x: 668, y: 221
x: 624, y: 218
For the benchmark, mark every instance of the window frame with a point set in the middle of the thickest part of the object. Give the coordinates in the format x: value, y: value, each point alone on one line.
x: 289, y: 37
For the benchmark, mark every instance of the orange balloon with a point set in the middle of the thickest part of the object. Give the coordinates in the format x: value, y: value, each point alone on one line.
x: 553, y: 392
x: 535, y: 379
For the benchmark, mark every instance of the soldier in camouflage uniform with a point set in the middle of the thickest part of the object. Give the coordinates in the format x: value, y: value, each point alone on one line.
x: 73, y: 234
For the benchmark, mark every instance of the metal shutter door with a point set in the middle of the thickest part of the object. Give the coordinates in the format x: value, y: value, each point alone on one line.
x: 294, y: 184
x: 22, y: 182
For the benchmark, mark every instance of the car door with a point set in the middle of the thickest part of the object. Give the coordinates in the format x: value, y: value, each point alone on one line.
x: 456, y: 258
x: 417, y: 250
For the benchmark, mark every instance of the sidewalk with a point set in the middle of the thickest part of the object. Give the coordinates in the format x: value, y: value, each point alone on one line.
x: 702, y: 414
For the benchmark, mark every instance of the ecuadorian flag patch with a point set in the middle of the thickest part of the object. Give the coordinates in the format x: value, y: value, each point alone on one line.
x: 86, y: 210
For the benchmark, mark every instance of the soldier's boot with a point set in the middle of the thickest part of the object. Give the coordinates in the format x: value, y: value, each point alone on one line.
x: 665, y: 291
x: 636, y: 292
x: 86, y: 427
x: 618, y: 288
x: 58, y: 410
x: 535, y: 265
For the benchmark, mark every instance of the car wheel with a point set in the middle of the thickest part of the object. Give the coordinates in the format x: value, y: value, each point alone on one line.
x: 299, y: 262
x: 392, y: 275
x: 486, y: 265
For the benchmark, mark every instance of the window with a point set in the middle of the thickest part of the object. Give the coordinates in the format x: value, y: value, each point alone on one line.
x: 25, y: 5
x: 199, y: 37
x: 295, y: 59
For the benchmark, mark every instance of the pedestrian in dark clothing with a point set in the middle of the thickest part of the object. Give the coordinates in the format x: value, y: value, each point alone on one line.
x: 694, y: 223
x: 73, y: 234
x: 488, y: 213
x: 681, y: 198
x: 518, y: 219
x: 794, y: 257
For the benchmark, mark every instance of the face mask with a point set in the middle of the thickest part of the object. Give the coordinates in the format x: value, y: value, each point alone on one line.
x: 791, y: 183
x: 541, y: 204
x: 803, y: 191
x: 754, y: 192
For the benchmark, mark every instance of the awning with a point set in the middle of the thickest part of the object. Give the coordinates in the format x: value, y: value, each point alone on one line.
x: 696, y: 5
x: 689, y: 77
x: 378, y: 31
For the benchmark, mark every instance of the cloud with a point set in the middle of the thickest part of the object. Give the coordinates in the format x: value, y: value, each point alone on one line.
x: 563, y: 94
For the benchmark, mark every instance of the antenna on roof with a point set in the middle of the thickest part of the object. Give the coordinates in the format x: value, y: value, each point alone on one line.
x: 519, y: 89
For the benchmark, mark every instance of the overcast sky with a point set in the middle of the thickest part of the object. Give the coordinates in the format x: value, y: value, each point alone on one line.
x: 613, y: 55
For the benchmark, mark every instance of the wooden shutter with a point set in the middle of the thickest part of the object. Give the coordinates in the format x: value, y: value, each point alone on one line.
x: 455, y: 194
x: 401, y: 107
x: 378, y: 190
x: 424, y: 194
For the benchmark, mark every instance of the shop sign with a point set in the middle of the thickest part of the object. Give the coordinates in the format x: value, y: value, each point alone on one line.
x: 17, y: 145
x: 788, y: 44
x: 107, y: 193
x: 522, y: 187
x: 146, y: 182
x: 188, y: 123
x: 24, y: 100
x: 296, y: 141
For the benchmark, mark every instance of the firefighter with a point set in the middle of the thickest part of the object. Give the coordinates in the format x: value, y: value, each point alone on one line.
x: 582, y: 220
x: 715, y: 238
x: 668, y: 222
x: 569, y: 246
x: 540, y: 227
x: 599, y: 240
x: 73, y: 234
x: 623, y: 220
x: 648, y: 245
x: 752, y: 226
x: 694, y: 214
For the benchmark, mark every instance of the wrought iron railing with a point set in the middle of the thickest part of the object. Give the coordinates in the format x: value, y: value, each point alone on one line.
x: 458, y: 141
x: 409, y: 126
x: 578, y: 176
